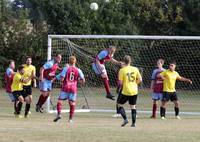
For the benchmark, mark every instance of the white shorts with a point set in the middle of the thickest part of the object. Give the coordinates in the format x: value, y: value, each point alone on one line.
x: 99, y: 68
x: 157, y: 96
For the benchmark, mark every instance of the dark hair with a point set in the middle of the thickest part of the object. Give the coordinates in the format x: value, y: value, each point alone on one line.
x: 127, y: 59
x: 20, y: 67
x: 161, y: 61
x: 10, y: 61
x: 28, y: 57
x: 172, y: 62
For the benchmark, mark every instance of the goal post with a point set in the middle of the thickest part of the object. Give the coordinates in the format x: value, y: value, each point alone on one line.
x: 144, y: 50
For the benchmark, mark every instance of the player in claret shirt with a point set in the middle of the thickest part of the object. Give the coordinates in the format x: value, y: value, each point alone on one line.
x: 98, y: 66
x: 156, y: 86
x: 47, y: 73
x: 69, y: 76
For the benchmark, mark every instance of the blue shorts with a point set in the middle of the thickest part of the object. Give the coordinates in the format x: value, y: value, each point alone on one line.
x: 45, y: 85
x: 99, y: 69
x: 157, y: 96
x: 67, y: 96
x: 11, y: 96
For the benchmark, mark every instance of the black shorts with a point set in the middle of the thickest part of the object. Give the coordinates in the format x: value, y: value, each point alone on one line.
x: 172, y: 96
x: 122, y: 99
x: 16, y: 94
x: 27, y: 89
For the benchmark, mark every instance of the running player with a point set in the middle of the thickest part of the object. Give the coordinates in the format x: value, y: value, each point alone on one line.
x: 129, y: 78
x: 69, y: 77
x: 47, y: 73
x: 17, y: 91
x: 156, y: 86
x: 169, y: 92
x: 29, y: 72
x: 99, y: 67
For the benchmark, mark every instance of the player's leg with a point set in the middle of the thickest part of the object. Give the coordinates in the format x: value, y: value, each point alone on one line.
x: 27, y: 107
x: 165, y: 99
x: 12, y: 98
x: 19, y: 106
x: 174, y: 99
x: 45, y: 87
x: 72, y: 105
x: 61, y: 97
x: 132, y: 103
x: 28, y: 93
x: 117, y: 106
x: 122, y: 100
x: 154, y: 102
x: 100, y: 70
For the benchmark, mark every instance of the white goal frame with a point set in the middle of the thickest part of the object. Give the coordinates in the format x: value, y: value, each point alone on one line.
x: 156, y: 37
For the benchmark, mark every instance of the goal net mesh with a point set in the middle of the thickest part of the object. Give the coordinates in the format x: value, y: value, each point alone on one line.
x: 144, y: 52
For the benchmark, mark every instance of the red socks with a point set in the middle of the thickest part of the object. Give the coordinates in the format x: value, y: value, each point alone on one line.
x: 72, y: 109
x: 154, y: 110
x: 59, y: 107
x: 42, y: 100
x: 106, y: 85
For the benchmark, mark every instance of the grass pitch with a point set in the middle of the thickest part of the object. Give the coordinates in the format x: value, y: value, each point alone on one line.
x: 94, y: 127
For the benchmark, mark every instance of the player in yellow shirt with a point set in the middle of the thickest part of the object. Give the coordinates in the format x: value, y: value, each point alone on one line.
x: 18, y: 93
x: 29, y: 72
x: 169, y: 92
x: 128, y: 79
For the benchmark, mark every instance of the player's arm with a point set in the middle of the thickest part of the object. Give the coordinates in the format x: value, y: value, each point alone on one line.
x: 153, y: 77
x: 115, y: 61
x: 81, y: 77
x: 161, y: 75
x: 47, y: 65
x: 34, y: 77
x: 41, y: 73
x: 184, y: 79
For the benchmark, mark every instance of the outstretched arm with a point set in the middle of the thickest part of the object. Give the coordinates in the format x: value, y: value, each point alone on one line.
x: 184, y: 79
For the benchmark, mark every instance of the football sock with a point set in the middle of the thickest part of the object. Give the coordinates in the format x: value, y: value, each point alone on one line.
x: 162, y: 111
x: 27, y: 108
x: 15, y: 106
x: 42, y: 100
x: 117, y: 109
x: 154, y: 110
x: 176, y: 109
x: 71, y: 113
x: 133, y: 114
x: 123, y: 113
x: 106, y: 85
x: 19, y: 107
x: 59, y: 108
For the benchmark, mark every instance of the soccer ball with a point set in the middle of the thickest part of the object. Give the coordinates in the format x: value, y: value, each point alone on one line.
x: 94, y: 6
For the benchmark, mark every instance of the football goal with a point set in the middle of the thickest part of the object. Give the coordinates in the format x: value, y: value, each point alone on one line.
x: 144, y: 50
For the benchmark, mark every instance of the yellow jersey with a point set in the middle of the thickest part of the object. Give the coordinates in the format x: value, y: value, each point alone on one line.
x: 17, y: 85
x: 128, y: 76
x: 170, y: 80
x: 28, y: 71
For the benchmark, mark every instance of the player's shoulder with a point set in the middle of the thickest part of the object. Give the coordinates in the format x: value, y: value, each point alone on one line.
x: 9, y: 70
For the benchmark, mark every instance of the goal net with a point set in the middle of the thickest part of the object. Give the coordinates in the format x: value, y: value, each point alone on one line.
x: 144, y: 50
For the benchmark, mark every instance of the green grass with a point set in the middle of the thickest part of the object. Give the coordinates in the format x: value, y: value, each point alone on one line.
x: 94, y: 127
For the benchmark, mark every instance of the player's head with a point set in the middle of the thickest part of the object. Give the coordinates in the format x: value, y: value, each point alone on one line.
x: 11, y: 64
x: 112, y: 50
x: 21, y: 69
x: 72, y: 60
x: 172, y: 66
x: 127, y: 59
x: 28, y: 60
x: 160, y: 63
x: 58, y: 58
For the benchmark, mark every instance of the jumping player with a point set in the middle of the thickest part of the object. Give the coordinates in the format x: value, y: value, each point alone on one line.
x: 9, y: 74
x: 156, y: 86
x: 17, y: 91
x: 98, y: 66
x: 47, y: 73
x: 169, y: 92
x: 129, y: 78
x: 69, y: 77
